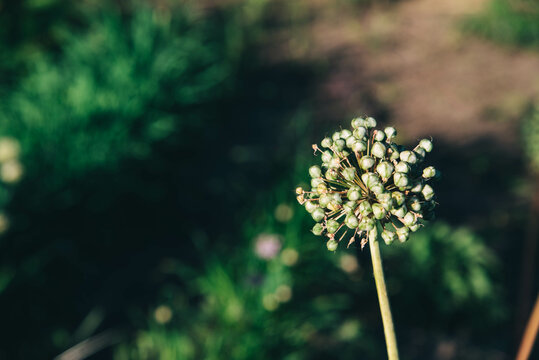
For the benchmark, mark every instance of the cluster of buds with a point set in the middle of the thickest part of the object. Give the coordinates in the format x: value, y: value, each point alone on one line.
x: 368, y: 181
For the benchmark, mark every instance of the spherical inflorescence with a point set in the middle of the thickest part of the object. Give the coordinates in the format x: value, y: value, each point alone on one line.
x: 367, y: 181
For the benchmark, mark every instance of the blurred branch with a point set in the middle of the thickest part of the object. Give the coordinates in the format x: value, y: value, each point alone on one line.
x: 530, y: 334
x: 92, y: 345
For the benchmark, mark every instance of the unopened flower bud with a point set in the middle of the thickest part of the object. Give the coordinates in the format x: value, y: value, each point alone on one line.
x: 385, y: 200
x: 357, y: 122
x: 334, y: 163
x: 332, y: 174
x: 366, y: 162
x: 409, y: 219
x: 388, y: 236
x: 367, y: 224
x: 385, y: 169
x: 417, y: 187
x: 379, y: 135
x: 360, y: 133
x: 398, y: 197
x: 402, y: 167
x: 370, y: 179
x: 351, y: 221
x: 318, y: 214
x: 315, y: 171
x: 324, y: 200
x: 353, y: 194
x: 333, y: 205
x: 378, y: 211
x: 379, y: 150
x: 408, y: 156
x: 390, y: 132
x: 370, y: 122
x: 429, y: 172
x: 426, y: 144
x: 350, y: 206
x: 414, y: 227
x: 365, y: 208
x: 316, y: 181
x: 332, y: 226
x: 428, y: 192
x: 345, y: 134
x: 420, y: 154
x: 321, y: 189
x: 377, y: 189
x: 300, y: 198
x: 349, y: 174
x: 339, y: 144
x: 327, y: 142
x: 327, y: 156
x: 310, y: 206
x: 299, y: 190
x: 336, y: 136
x: 318, y: 229
x: 399, y: 212
x: 350, y: 142
x: 414, y: 204
x: 400, y: 180
x: 402, y: 234
x: 332, y: 245
x: 359, y: 146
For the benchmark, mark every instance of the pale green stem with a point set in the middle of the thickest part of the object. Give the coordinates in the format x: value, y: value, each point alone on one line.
x: 385, y: 310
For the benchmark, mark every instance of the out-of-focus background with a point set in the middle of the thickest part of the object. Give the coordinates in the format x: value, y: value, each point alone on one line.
x: 148, y: 156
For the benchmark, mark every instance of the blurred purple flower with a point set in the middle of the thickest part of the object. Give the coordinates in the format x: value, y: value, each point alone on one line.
x: 267, y: 246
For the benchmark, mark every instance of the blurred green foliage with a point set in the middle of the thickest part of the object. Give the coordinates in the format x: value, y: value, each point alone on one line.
x: 530, y: 133
x: 514, y: 22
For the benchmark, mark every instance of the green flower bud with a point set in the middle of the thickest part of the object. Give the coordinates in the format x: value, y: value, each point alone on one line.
x: 332, y: 174
x: 370, y: 179
x: 318, y: 229
x: 408, y: 156
x: 414, y: 227
x: 366, y: 162
x: 316, y: 181
x: 359, y: 146
x: 378, y: 211
x: 327, y: 156
x: 402, y: 167
x: 332, y: 226
x: 417, y: 187
x: 349, y: 174
x: 385, y: 169
x: 324, y: 200
x: 367, y: 224
x: 360, y: 133
x: 336, y: 136
x: 426, y: 144
x: 351, y: 221
x: 315, y: 171
x: 428, y: 192
x: 333, y: 205
x: 390, y: 132
x: 388, y: 236
x: 357, y: 122
x: 398, y: 198
x: 334, y: 163
x: 345, y: 153
x: 399, y: 212
x: 429, y: 172
x: 310, y: 206
x: 414, y: 204
x: 377, y: 189
x: 353, y: 194
x: 345, y: 134
x: 318, y: 214
x: 379, y: 150
x: 370, y: 122
x: 394, y: 152
x: 299, y: 190
x: 332, y: 245
x: 300, y: 198
x: 400, y: 180
x: 365, y: 208
x: 402, y: 234
x: 350, y: 206
x: 350, y: 142
x: 321, y: 189
x: 420, y: 154
x: 385, y: 200
x: 339, y: 144
x: 337, y: 198
x: 327, y: 142
x: 379, y: 135
x: 409, y: 219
